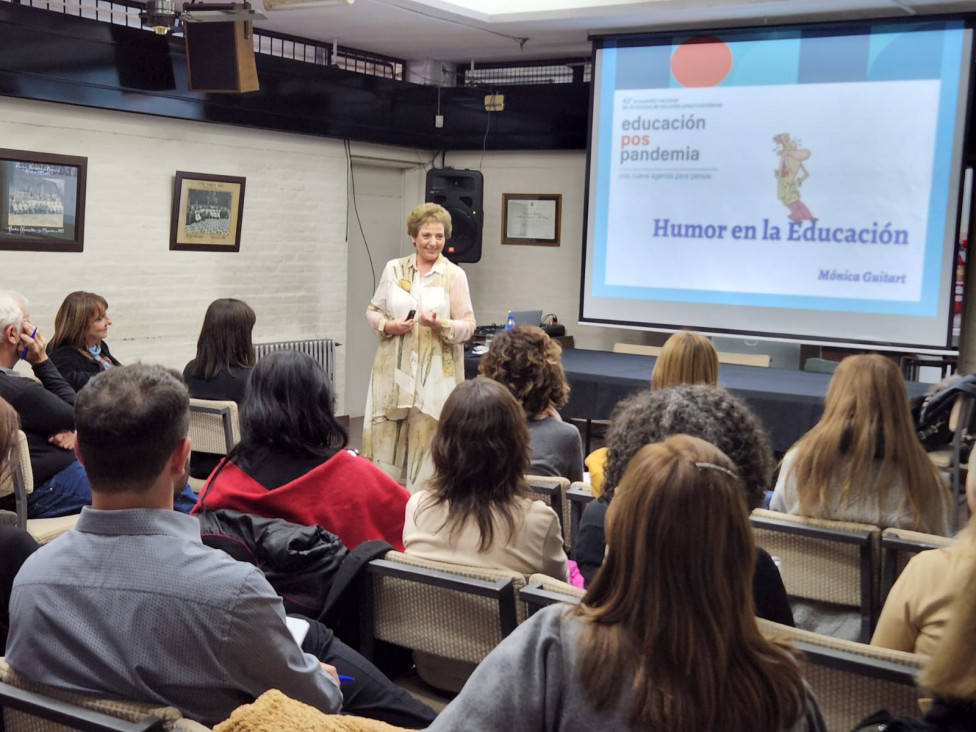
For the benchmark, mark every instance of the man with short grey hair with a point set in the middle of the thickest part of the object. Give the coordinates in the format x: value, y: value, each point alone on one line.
x: 46, y: 414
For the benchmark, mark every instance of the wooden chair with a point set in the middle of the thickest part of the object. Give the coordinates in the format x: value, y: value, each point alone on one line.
x: 850, y: 679
x: 446, y: 613
x: 552, y: 491
x: 214, y: 429
x: 32, y: 707
x: 543, y: 590
x: 745, y: 359
x: 637, y: 349
x: 900, y: 545
x: 578, y: 495
x: 19, y: 480
x: 826, y: 561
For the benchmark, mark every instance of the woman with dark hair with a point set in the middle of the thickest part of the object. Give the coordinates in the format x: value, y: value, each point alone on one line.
x: 291, y: 462
x: 862, y: 461
x: 528, y: 362
x: 665, y: 637
x: 709, y: 413
x: 225, y: 353
x: 477, y: 510
x: 78, y: 346
x: 225, y: 357
x: 15, y: 544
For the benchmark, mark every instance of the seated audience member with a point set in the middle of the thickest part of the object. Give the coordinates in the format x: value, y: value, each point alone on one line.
x: 709, y: 413
x: 862, y: 461
x: 45, y: 412
x: 225, y: 357
x: 291, y: 462
x: 15, y: 543
x: 527, y: 362
x: 950, y: 674
x: 665, y: 637
x: 78, y: 346
x: 477, y: 509
x: 145, y: 611
x: 917, y: 611
x: 687, y: 358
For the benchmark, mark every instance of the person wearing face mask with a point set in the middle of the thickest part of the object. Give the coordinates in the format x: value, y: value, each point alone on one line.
x: 422, y: 313
x: 78, y: 346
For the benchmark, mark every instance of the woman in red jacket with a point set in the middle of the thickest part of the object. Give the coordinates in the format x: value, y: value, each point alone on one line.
x: 291, y: 462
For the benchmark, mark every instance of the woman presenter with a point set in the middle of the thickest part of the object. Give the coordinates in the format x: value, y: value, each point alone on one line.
x: 422, y: 313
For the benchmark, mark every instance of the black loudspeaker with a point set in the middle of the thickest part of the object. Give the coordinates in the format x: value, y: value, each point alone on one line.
x: 220, y: 57
x: 461, y: 192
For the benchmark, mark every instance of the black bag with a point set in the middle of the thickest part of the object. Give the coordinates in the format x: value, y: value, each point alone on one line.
x: 933, y: 419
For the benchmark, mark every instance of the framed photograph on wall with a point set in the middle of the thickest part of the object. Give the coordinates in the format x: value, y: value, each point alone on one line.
x: 207, y: 212
x: 42, y: 201
x: 531, y: 218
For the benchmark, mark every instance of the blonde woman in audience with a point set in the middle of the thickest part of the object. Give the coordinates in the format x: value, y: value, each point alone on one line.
x: 919, y: 606
x: 477, y: 510
x: 529, y: 363
x: 950, y: 674
x: 78, y: 346
x: 862, y: 461
x: 687, y: 358
x: 665, y: 637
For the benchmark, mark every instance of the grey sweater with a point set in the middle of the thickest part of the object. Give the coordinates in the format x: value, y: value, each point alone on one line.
x: 528, y: 683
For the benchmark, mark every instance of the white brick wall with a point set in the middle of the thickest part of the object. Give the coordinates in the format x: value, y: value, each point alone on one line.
x: 292, y: 265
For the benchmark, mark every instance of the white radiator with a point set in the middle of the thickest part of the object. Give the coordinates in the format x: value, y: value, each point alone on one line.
x: 320, y: 349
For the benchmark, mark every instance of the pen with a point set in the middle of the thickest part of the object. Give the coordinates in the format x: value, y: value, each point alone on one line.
x: 23, y: 353
x: 346, y: 678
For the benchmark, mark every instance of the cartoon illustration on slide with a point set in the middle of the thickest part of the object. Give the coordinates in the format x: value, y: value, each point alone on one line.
x: 788, y: 178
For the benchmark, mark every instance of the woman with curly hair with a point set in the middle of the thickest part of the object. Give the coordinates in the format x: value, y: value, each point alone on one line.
x: 665, y: 637
x: 528, y: 362
x: 477, y: 509
x: 862, y: 461
x: 709, y: 413
x: 78, y: 346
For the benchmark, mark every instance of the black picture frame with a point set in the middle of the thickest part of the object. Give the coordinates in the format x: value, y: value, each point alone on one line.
x: 207, y: 212
x: 42, y: 201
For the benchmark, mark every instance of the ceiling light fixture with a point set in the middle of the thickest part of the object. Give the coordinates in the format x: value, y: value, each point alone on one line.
x: 303, y: 4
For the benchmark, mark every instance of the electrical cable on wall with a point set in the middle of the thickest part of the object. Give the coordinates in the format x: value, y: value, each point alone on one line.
x: 355, y: 208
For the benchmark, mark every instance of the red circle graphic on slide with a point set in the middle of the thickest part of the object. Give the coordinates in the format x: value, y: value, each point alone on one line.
x: 701, y: 61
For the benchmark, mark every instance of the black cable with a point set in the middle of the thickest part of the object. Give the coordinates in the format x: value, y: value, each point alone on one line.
x: 355, y: 208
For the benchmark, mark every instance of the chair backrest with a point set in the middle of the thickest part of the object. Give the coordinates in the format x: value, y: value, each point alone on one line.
x: 214, y: 426
x: 578, y: 495
x: 29, y: 706
x: 544, y: 590
x: 18, y: 478
x: 828, y: 561
x: 900, y: 545
x: 849, y: 679
x: 449, y: 610
x: 552, y: 489
x: 637, y: 349
x: 745, y: 359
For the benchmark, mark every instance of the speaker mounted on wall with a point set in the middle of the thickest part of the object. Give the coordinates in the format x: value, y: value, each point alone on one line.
x: 461, y: 192
x: 220, y: 57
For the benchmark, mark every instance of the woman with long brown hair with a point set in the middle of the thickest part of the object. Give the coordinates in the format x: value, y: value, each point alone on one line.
x: 665, y: 637
x: 78, y: 346
x: 477, y: 509
x: 862, y: 461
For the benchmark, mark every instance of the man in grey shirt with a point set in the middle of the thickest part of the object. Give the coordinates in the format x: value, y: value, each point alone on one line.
x: 130, y: 604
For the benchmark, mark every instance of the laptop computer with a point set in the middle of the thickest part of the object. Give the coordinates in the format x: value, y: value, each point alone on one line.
x: 527, y: 317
